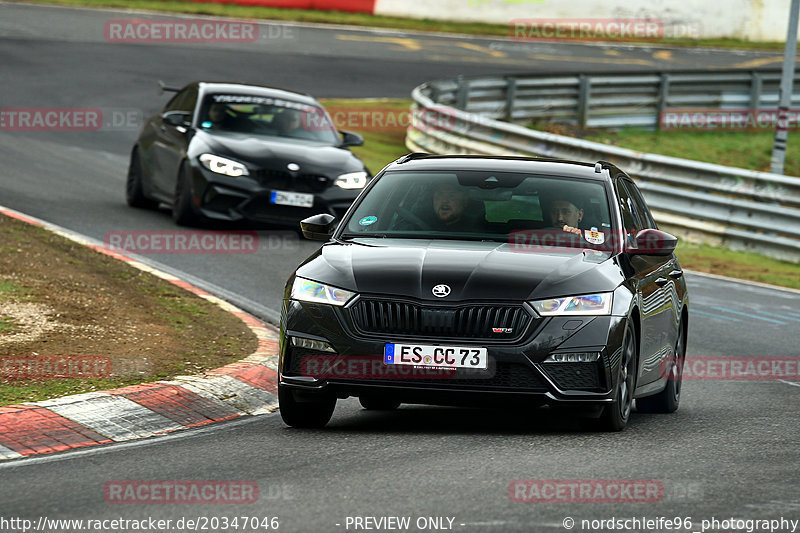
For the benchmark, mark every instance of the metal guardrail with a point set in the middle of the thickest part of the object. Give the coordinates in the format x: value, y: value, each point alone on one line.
x: 738, y: 208
x: 609, y: 100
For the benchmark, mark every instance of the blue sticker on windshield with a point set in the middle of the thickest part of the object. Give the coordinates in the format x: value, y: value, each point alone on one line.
x: 206, y: 124
x: 366, y: 221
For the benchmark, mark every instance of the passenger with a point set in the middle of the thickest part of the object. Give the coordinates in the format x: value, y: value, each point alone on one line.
x: 289, y: 124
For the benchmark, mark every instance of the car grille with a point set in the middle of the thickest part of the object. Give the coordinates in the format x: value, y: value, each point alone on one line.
x: 490, y: 322
x: 282, y: 180
x: 576, y: 376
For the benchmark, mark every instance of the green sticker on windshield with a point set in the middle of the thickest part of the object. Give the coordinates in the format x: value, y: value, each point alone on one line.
x: 366, y: 221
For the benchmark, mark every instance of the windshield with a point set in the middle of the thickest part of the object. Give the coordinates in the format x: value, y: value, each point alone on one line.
x: 481, y: 205
x: 272, y: 117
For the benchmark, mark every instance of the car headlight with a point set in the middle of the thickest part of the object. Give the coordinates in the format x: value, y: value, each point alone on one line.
x: 306, y: 290
x: 587, y: 304
x: 351, y: 180
x: 221, y: 165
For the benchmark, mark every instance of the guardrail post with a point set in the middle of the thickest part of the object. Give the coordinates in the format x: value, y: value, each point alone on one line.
x: 435, y: 92
x: 755, y: 90
x: 584, y: 94
x: 462, y: 92
x: 663, y: 95
x: 511, y: 94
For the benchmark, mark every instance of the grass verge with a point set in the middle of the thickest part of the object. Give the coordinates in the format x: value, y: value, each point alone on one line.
x: 60, y: 301
x: 746, y: 149
x: 362, y: 19
x: 742, y: 265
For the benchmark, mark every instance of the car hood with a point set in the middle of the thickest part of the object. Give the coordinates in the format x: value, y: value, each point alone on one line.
x: 472, y: 270
x: 276, y: 153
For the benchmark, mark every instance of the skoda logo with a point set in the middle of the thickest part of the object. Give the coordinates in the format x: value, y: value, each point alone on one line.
x: 294, y: 167
x: 440, y: 291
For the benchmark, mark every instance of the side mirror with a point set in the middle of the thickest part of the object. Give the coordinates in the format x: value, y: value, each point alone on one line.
x: 351, y: 139
x: 652, y: 242
x: 177, y: 118
x: 319, y: 227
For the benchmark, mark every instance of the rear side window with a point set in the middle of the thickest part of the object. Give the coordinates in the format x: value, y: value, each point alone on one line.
x: 630, y: 211
x: 183, y: 101
x: 638, y: 201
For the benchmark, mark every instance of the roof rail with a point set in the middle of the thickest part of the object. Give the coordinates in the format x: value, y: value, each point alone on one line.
x: 410, y: 157
x: 601, y: 165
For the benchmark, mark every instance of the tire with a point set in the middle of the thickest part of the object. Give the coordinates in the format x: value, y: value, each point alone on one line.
x: 371, y: 403
x: 306, y: 414
x: 615, y: 415
x: 182, y: 210
x: 668, y: 400
x: 134, y: 192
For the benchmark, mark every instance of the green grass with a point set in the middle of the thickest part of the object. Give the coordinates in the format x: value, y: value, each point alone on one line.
x: 13, y: 290
x: 381, y: 145
x: 55, y: 388
x: 746, y: 149
x: 6, y: 326
x: 741, y: 265
x: 361, y: 19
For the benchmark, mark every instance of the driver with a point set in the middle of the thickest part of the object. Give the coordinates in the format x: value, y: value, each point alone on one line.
x: 449, y: 204
x: 219, y: 117
x: 564, y: 212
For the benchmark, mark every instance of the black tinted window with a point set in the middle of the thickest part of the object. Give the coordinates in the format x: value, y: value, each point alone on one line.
x: 638, y: 201
x: 630, y: 211
x: 479, y: 205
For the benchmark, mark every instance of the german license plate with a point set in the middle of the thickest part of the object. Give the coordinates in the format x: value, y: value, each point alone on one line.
x: 435, y: 356
x: 296, y: 199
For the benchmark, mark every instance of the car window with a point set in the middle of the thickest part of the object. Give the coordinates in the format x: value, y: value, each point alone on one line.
x: 267, y: 116
x: 481, y: 205
x: 185, y: 101
x: 631, y: 219
x: 644, y: 212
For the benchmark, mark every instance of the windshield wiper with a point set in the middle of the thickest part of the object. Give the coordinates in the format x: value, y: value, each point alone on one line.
x: 346, y: 236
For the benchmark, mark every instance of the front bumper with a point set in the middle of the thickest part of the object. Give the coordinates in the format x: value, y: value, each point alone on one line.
x: 517, y: 372
x: 220, y: 197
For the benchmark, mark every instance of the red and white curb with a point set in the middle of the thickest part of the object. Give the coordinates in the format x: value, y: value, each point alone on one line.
x: 247, y: 387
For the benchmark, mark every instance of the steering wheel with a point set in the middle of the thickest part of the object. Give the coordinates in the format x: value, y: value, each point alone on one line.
x: 407, y: 215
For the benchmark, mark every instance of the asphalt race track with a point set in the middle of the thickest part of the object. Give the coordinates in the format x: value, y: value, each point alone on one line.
x: 730, y: 451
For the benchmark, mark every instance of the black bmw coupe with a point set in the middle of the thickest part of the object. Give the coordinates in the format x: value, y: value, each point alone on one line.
x: 232, y: 152
x: 463, y: 280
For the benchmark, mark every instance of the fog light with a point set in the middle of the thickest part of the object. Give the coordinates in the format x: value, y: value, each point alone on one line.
x: 577, y: 357
x: 310, y: 344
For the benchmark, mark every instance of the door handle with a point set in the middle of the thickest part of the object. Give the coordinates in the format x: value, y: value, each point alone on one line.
x: 662, y: 281
x: 676, y: 274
